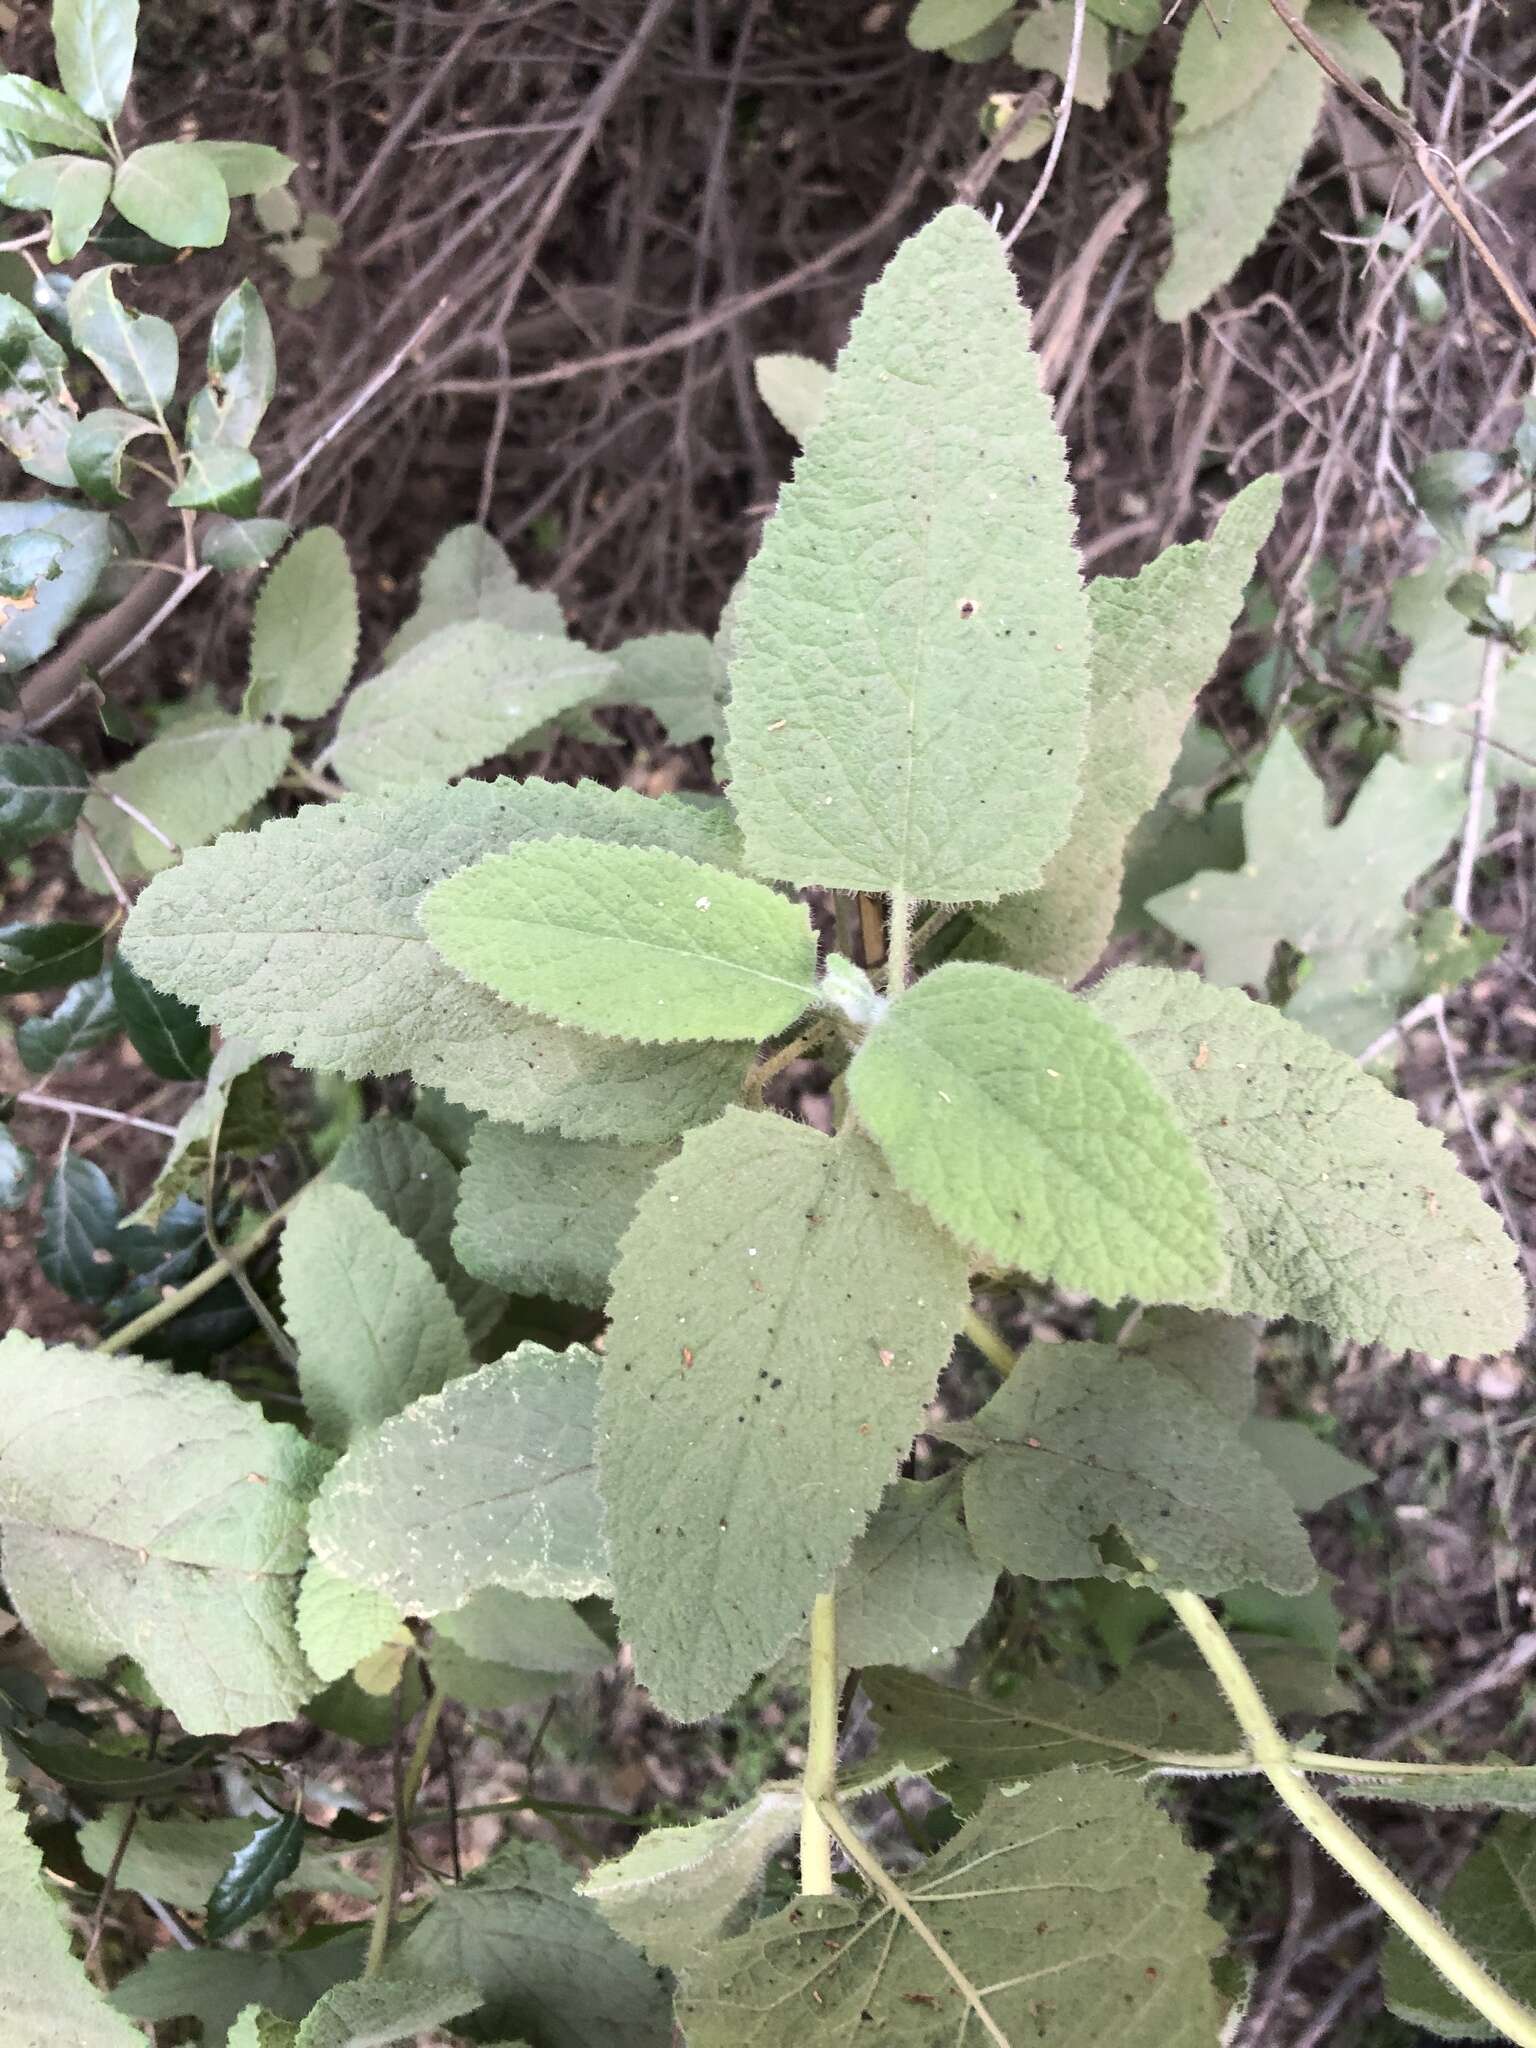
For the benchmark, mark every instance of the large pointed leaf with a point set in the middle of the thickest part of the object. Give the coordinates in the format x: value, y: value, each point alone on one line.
x: 179, y: 1859
x: 163, y: 1032
x: 304, y: 935
x: 215, y: 1985
x: 629, y: 941
x: 547, y: 1966
x: 249, y: 1881
x: 374, y: 1325
x: 1082, y: 1442
x: 304, y: 630
x: 465, y: 693
x: 1071, y: 1907
x: 490, y: 1483
x: 94, y: 42
x: 780, y: 1315
x: 918, y: 588
x: 1227, y: 52
x: 157, y: 1517
x: 1156, y: 638
x: 1490, y: 1908
x: 374, y: 2012
x: 469, y: 577
x: 48, y: 1997
x: 989, y: 1091
x: 193, y: 782
x: 1338, y: 1205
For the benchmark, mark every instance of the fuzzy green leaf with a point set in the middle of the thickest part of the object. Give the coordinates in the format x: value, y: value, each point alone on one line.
x: 1156, y: 638
x: 304, y: 630
x: 794, y: 389
x: 248, y: 1882
x: 163, y: 1032
x: 680, y: 678
x: 1357, y: 940
x: 1489, y: 1909
x: 94, y: 41
x: 194, y: 782
x: 886, y: 621
x: 541, y: 1214
x: 184, y: 1169
x: 520, y: 1629
x: 1084, y: 1441
x: 1306, y: 1465
x: 469, y: 577
x: 193, y: 1572
x: 1338, y: 1205
x: 1136, y: 17
x: 779, y: 1318
x: 1495, y: 1782
x: 178, y: 1860
x: 1043, y: 42
x: 1355, y: 43
x: 681, y: 1889
x: 490, y: 1483
x: 628, y: 941
x: 137, y: 353
x: 545, y: 1963
x: 465, y: 693
x: 43, y: 115
x: 1227, y: 52
x: 304, y: 936
x: 339, y: 1624
x: 97, y: 448
x: 48, y: 1997
x: 374, y: 1325
x: 1213, y: 1354
x: 914, y: 1587
x: 372, y: 2013
x: 173, y: 194
x: 1226, y: 181
x: 1442, y: 676
x: 935, y: 23
x: 72, y: 189
x: 988, y: 1091
x: 36, y: 413
x: 1072, y: 1905
x: 254, y: 2028
x: 216, y: 1985
x: 242, y: 375
x: 41, y: 791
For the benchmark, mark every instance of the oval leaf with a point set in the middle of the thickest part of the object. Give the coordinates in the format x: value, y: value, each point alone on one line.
x: 174, y: 194
x: 253, y: 1874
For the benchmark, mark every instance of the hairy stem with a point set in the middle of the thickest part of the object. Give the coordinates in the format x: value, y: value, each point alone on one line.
x: 1274, y: 1757
x: 394, y: 1869
x: 820, y: 1753
x: 899, y: 945
x: 993, y: 1347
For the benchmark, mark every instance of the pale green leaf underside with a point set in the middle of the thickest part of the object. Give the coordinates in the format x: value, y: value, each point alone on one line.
x: 1226, y: 53
x: 372, y: 2013
x: 1311, y: 1471
x: 491, y: 1482
x: 304, y: 936
x: 179, y: 1859
x: 794, y: 388
x: 914, y: 1587
x: 217, y: 1984
x: 1214, y: 1354
x: 1083, y: 1441
x: 516, y: 1629
x: 631, y: 942
x: 48, y: 1997
x: 1226, y: 181
x: 465, y: 693
x: 339, y: 1623
x: 193, y: 782
x: 468, y: 576
x: 546, y: 1964
x: 917, y: 587
x: 1043, y: 42
x: 158, y: 1517
x: 780, y: 1315
x: 1339, y: 1206
x: 680, y: 677
x: 374, y: 1326
x: 542, y: 1214
x: 1355, y: 43
x: 304, y: 630
x: 1157, y: 636
x: 1074, y: 1905
x: 681, y: 1889
x: 1490, y: 1907
x: 1032, y: 1135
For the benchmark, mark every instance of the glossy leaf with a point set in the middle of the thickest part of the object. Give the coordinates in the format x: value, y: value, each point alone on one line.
x: 986, y: 1090
x: 174, y: 194
x: 96, y: 451
x: 779, y: 1317
x: 234, y: 545
x: 85, y: 1017
x: 1338, y: 1205
x: 163, y: 1032
x: 218, y: 479
x: 881, y: 625
x: 192, y: 1576
x: 30, y: 629
x: 249, y: 1881
x: 48, y: 1995
x: 242, y: 374
x: 36, y: 415
x: 137, y: 353
x: 43, y: 115
x: 179, y: 1859
x: 18, y: 1171
x: 36, y: 956
x: 304, y: 630
x: 72, y: 189
x: 631, y: 942
x: 94, y: 41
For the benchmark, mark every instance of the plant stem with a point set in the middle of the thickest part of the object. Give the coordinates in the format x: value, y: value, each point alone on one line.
x: 394, y: 1869
x: 1274, y: 1757
x: 899, y: 947
x: 820, y: 1781
x: 200, y: 1284
x: 993, y: 1347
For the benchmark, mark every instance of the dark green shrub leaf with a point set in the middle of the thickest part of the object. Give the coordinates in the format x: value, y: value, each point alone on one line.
x: 986, y: 1091
x: 29, y: 631
x: 137, y: 353
x: 852, y: 752
x: 163, y: 1032
x: 35, y: 413
x: 304, y: 630
x: 219, y: 479
x: 96, y: 449
x: 86, y: 1017
x: 36, y: 956
x: 1083, y: 1908
x: 126, y: 1772
x: 780, y: 1315
x: 41, y: 791
x: 1487, y: 1908
x: 193, y: 1577
x: 215, y: 1985
x: 247, y: 168
x: 1213, y: 1354
x: 18, y: 1170
x: 80, y: 1216
x: 1083, y: 1440
x: 628, y: 941
x: 325, y: 904
x: 249, y: 1881
x: 544, y: 1961
x: 233, y: 545
x: 94, y: 42
x: 72, y: 189
x: 1358, y: 1219
x: 180, y: 1859
x: 175, y: 194
x: 242, y: 374
x: 492, y: 1482
x: 43, y: 115
x: 48, y: 1995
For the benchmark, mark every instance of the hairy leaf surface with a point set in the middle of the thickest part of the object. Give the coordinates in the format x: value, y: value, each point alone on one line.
x: 794, y: 389
x: 304, y: 630
x: 1226, y: 53
x: 48, y: 1996
x: 469, y: 577
x: 680, y: 677
x: 1032, y: 1135
x: 780, y: 1315
x: 917, y: 586
x: 339, y: 1623
x: 215, y: 1985
x: 1490, y: 1907
x: 1339, y: 1206
x: 374, y: 2012
x: 193, y: 782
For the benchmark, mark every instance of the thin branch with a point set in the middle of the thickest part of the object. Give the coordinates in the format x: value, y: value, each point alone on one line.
x: 1058, y: 133
x: 1477, y: 770
x: 35, y: 1099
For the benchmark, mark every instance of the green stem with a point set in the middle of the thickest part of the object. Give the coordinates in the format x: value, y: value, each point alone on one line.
x: 899, y: 945
x: 820, y: 1782
x: 201, y: 1283
x: 1274, y: 1757
x: 394, y: 1868
x: 992, y: 1346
